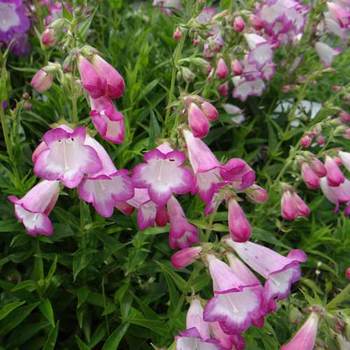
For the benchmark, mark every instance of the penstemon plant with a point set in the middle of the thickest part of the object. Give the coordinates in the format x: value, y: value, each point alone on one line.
x: 195, y: 198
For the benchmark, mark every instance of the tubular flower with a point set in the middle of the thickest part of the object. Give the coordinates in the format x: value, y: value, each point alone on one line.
x: 182, y: 234
x: 292, y: 206
x: 34, y: 208
x: 91, y: 81
x: 115, y: 84
x: 185, y: 257
x: 105, y: 188
x: 239, y: 226
x: 64, y: 156
x: 334, y: 175
x: 42, y: 80
x: 305, y: 338
x: 235, y: 303
x: 198, y: 121
x: 163, y: 174
x: 107, y: 120
x: 148, y: 212
x: 280, y: 272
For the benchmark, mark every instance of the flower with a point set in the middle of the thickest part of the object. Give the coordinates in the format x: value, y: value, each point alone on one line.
x: 237, y: 172
x: 279, y: 271
x: 235, y: 303
x: 336, y: 195
x: 238, y: 24
x: 34, y: 208
x: 42, y: 80
x: 326, y: 53
x: 334, y: 175
x: 64, y: 156
x: 198, y: 121
x: 107, y: 120
x: 163, y: 174
x: 197, y: 333
x: 221, y: 69
x: 185, y: 257
x: 115, y: 84
x: 292, y: 206
x: 14, y: 23
x: 91, y: 81
x: 239, y: 226
x: 282, y: 21
x: 182, y: 234
x: 105, y: 188
x: 148, y: 212
x: 310, y: 177
x: 305, y: 338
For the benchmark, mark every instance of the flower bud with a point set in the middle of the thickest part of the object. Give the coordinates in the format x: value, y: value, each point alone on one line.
x: 310, y: 178
x: 223, y: 89
x: 344, y: 117
x: 239, y: 226
x: 48, y: 37
x: 347, y: 273
x: 115, y: 84
x: 198, y: 121
x: 238, y: 24
x: 305, y: 141
x: 42, y: 80
x: 221, y: 69
x: 257, y: 194
x: 209, y: 110
x: 292, y: 206
x: 334, y: 175
x: 236, y: 67
x: 177, y: 35
x: 185, y: 257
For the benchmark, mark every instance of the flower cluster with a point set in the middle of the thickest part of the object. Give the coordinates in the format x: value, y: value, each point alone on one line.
x: 216, y: 182
x: 239, y: 300
x: 14, y: 25
x: 103, y: 83
x: 76, y: 160
x: 281, y: 21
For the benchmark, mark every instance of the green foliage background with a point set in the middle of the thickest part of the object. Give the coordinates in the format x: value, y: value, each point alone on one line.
x: 102, y: 284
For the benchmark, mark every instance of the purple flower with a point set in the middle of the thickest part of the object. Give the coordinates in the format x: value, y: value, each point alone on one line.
x: 14, y: 24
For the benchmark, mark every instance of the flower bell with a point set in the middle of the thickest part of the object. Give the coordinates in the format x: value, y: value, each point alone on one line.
x: 34, y: 208
x: 64, y: 156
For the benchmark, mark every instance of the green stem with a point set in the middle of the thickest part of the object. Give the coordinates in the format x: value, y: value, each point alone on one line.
x: 171, y: 94
x: 5, y: 132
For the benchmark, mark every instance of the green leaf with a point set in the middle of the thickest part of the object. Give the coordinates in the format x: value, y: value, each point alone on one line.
x: 46, y: 309
x: 8, y: 308
x: 113, y: 341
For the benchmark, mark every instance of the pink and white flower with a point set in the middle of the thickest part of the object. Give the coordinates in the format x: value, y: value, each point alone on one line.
x: 105, y: 188
x: 182, y: 234
x: 235, y: 303
x: 163, y: 174
x: 34, y: 208
x: 64, y: 156
x: 280, y: 272
x: 326, y: 53
x: 197, y: 121
x: 336, y: 195
x: 197, y: 333
x: 41, y: 80
x: 107, y: 120
x: 305, y: 338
